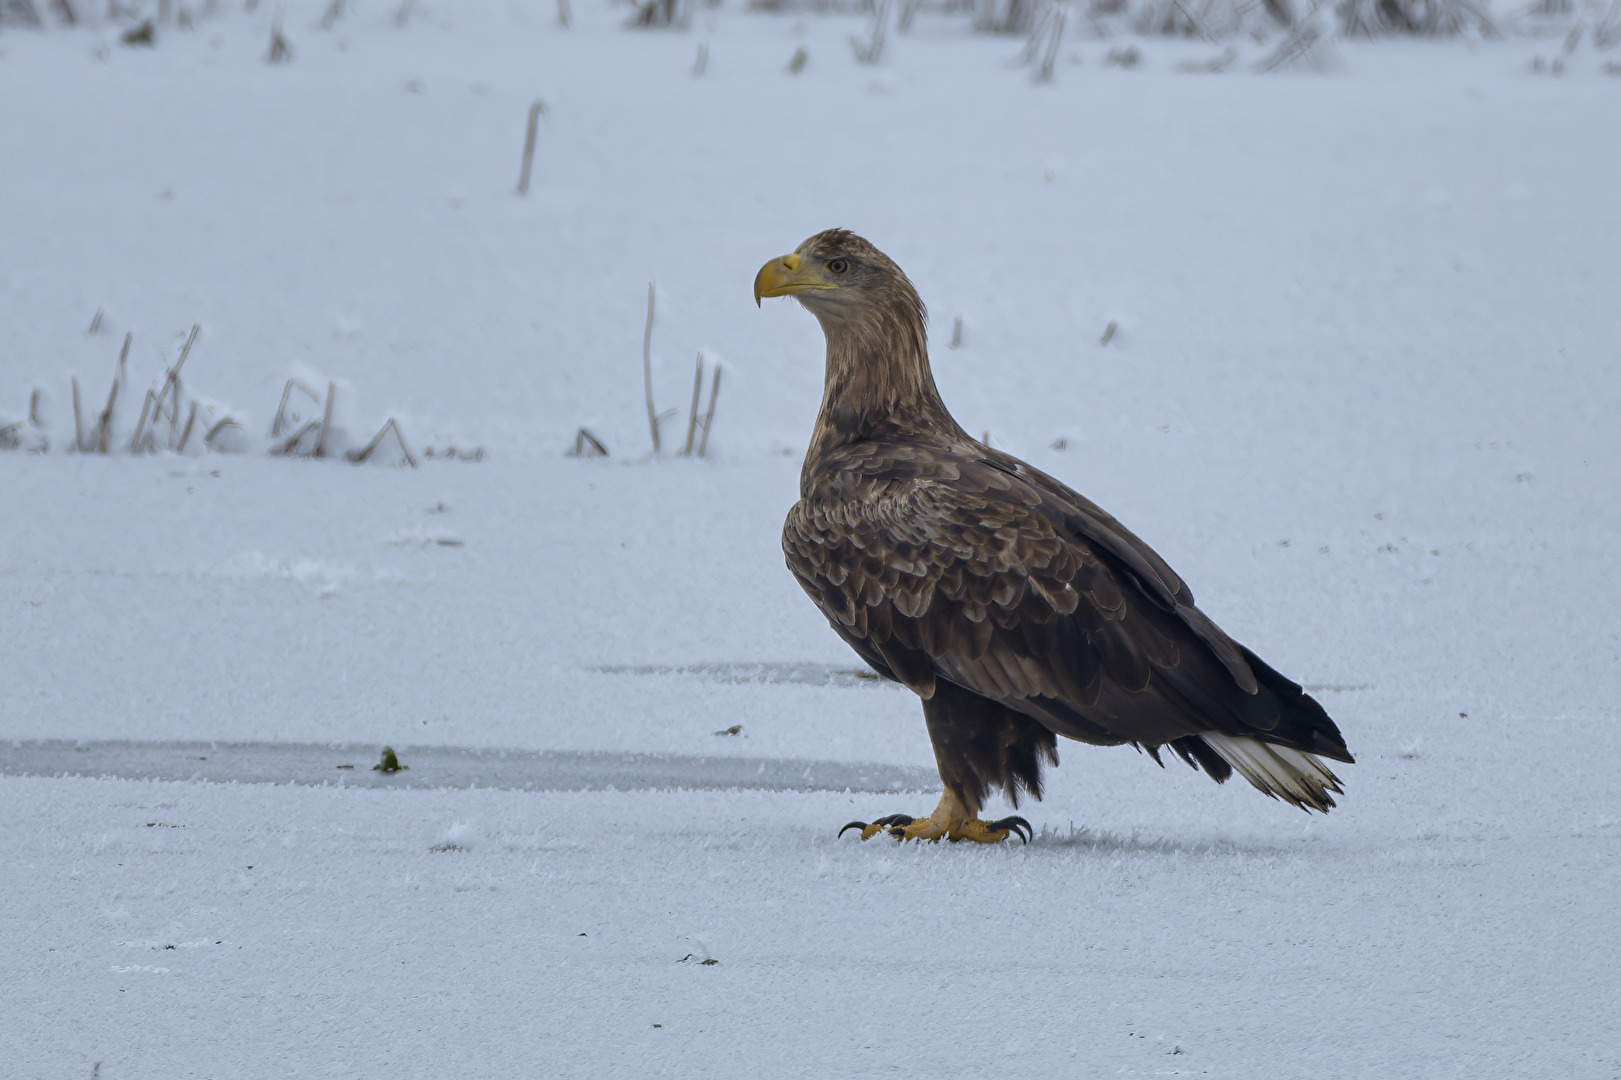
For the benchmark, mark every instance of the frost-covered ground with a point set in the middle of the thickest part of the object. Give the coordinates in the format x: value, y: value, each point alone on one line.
x: 1362, y: 393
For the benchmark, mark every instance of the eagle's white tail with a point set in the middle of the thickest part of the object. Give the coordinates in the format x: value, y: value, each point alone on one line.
x: 1282, y: 772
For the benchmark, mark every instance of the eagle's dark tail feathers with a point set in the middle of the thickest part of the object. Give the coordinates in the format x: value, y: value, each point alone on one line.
x: 1281, y: 754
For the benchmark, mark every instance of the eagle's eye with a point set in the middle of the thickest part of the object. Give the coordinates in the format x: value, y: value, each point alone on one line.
x: 839, y: 266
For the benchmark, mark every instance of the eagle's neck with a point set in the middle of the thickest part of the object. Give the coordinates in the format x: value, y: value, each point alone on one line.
x: 878, y: 383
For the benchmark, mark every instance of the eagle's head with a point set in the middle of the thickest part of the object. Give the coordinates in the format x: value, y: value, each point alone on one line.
x: 842, y: 280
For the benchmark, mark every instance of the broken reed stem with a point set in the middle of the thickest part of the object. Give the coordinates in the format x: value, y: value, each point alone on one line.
x: 171, y: 385
x: 709, y: 416
x: 535, y: 112
x: 1045, y: 73
x: 326, y: 421
x: 378, y: 439
x: 95, y: 323
x: 294, y: 439
x: 280, y: 51
x: 281, y: 410
x: 692, y: 414
x: 140, y: 425
x: 584, y: 437
x: 191, y: 418
x: 33, y: 408
x: 213, y: 432
x: 78, y: 425
x: 647, y: 370
x: 104, y: 425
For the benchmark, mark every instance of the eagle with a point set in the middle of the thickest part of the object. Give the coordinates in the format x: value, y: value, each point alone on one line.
x: 1015, y: 608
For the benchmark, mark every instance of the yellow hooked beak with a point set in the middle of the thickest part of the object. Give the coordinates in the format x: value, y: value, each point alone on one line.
x: 788, y: 275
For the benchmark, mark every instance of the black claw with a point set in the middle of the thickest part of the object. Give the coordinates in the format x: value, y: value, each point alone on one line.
x: 1016, y: 825
x: 862, y: 825
x: 895, y: 819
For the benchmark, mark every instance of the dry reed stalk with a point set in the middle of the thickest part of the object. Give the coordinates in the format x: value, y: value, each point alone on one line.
x: 280, y: 51
x: 709, y: 416
x: 286, y: 447
x: 286, y: 394
x: 185, y: 436
x: 647, y: 370
x: 95, y: 323
x: 537, y: 109
x: 1050, y: 57
x: 140, y: 425
x: 873, y: 50
x: 377, y: 441
x: 692, y: 414
x: 104, y: 425
x: 214, y: 432
x: 583, y: 439
x: 78, y: 425
x: 326, y: 421
x: 171, y: 383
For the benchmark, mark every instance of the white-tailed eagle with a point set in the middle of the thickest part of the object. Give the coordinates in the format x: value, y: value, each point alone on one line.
x: 1016, y: 609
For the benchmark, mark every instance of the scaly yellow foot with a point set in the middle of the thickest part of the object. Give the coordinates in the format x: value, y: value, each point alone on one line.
x: 948, y: 820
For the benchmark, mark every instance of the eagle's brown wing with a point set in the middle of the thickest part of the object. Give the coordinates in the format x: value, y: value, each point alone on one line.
x: 979, y: 570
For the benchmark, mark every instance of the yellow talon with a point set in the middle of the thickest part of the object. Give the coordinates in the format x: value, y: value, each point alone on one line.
x: 949, y: 821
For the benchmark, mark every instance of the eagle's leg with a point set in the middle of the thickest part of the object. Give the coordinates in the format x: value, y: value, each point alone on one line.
x: 951, y: 819
x: 978, y: 744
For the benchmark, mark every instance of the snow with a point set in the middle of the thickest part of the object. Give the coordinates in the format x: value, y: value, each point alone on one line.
x: 1361, y: 394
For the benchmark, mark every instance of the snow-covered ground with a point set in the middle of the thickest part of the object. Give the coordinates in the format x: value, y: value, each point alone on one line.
x: 1361, y: 392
